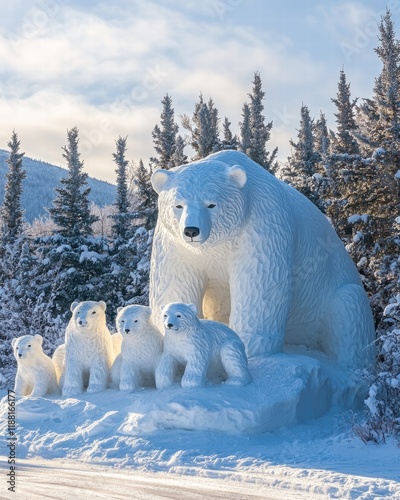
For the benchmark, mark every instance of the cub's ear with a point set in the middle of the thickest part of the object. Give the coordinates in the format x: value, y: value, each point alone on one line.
x: 159, y: 179
x: 74, y: 305
x: 119, y: 309
x: 193, y: 308
x: 13, y: 342
x: 103, y: 305
x: 238, y: 175
x: 39, y: 339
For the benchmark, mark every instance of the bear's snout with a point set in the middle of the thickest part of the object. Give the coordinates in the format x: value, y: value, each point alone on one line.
x: 191, y: 231
x: 170, y: 325
x: 127, y: 330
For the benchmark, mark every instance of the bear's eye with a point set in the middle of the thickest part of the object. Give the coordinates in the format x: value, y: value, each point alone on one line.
x: 135, y: 321
x: 94, y: 312
x: 29, y: 345
x: 16, y: 348
x: 178, y: 206
x: 211, y: 205
x: 122, y: 321
x: 178, y: 315
x: 165, y: 315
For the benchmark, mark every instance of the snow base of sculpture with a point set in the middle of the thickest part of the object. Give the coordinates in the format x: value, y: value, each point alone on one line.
x: 287, y: 389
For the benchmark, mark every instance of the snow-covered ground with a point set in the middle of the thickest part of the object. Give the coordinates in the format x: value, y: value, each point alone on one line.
x: 79, y: 447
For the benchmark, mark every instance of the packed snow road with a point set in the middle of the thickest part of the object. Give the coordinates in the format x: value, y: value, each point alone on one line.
x: 38, y: 479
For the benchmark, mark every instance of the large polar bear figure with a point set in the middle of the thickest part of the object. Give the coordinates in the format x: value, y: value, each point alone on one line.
x: 89, y: 351
x: 141, y: 348
x: 36, y: 375
x: 251, y: 251
x: 203, y: 347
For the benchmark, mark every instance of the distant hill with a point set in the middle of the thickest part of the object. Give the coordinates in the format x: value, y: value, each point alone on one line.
x: 40, y: 183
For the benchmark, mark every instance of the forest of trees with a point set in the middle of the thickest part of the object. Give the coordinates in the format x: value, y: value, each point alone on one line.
x: 351, y: 172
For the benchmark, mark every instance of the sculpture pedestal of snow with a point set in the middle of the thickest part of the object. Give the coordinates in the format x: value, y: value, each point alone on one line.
x: 252, y: 252
x: 89, y: 350
x: 141, y: 348
x: 36, y: 375
x: 206, y: 349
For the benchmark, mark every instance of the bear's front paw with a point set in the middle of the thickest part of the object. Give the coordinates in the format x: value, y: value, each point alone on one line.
x: 70, y: 391
x: 190, y: 381
x: 126, y: 386
x: 93, y: 388
x: 238, y: 381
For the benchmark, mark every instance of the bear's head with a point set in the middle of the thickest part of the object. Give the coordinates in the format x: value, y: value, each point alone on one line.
x: 202, y: 204
x: 179, y: 317
x: 27, y: 347
x: 132, y: 320
x: 88, y: 316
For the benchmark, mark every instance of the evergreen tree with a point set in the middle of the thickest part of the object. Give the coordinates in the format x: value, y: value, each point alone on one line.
x: 343, y: 141
x: 259, y: 131
x: 11, y: 210
x: 146, y: 198
x: 229, y: 140
x: 245, y: 132
x: 123, y: 217
x: 301, y: 168
x: 71, y: 210
x: 165, y: 136
x: 179, y: 157
x: 203, y: 128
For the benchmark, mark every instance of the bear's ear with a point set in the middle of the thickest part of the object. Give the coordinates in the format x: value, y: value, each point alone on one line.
x: 238, y: 175
x: 14, y: 341
x: 39, y: 339
x: 103, y: 305
x: 119, y: 309
x: 193, y: 308
x: 159, y: 179
x: 74, y: 305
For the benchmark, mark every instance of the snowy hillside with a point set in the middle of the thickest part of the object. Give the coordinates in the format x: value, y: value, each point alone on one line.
x: 41, y: 181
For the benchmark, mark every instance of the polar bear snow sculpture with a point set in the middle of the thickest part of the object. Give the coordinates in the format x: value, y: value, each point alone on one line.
x: 141, y: 348
x: 89, y: 350
x: 36, y: 375
x: 202, y: 346
x: 251, y: 251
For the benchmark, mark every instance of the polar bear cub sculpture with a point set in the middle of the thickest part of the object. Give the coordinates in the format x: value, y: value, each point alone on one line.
x: 36, y: 375
x: 141, y: 348
x: 202, y: 346
x: 89, y: 350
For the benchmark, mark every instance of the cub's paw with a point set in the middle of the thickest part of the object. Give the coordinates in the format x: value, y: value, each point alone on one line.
x: 93, y: 388
x: 71, y: 390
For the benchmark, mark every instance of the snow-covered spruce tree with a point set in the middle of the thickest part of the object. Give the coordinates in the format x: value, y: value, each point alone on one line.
x: 300, y: 171
x: 204, y: 128
x: 245, y: 132
x: 122, y: 226
x: 229, y: 140
x: 376, y: 181
x: 11, y: 212
x: 342, y: 197
x: 165, y: 137
x: 71, y: 210
x: 145, y: 208
x: 82, y: 260
x: 179, y: 157
x: 259, y: 131
x: 26, y: 302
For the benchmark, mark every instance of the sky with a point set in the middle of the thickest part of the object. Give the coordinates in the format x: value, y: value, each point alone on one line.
x: 104, y: 67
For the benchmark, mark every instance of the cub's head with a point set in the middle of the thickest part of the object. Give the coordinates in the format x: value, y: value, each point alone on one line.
x: 202, y: 204
x: 179, y: 317
x: 27, y: 346
x: 89, y: 315
x: 132, y: 320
